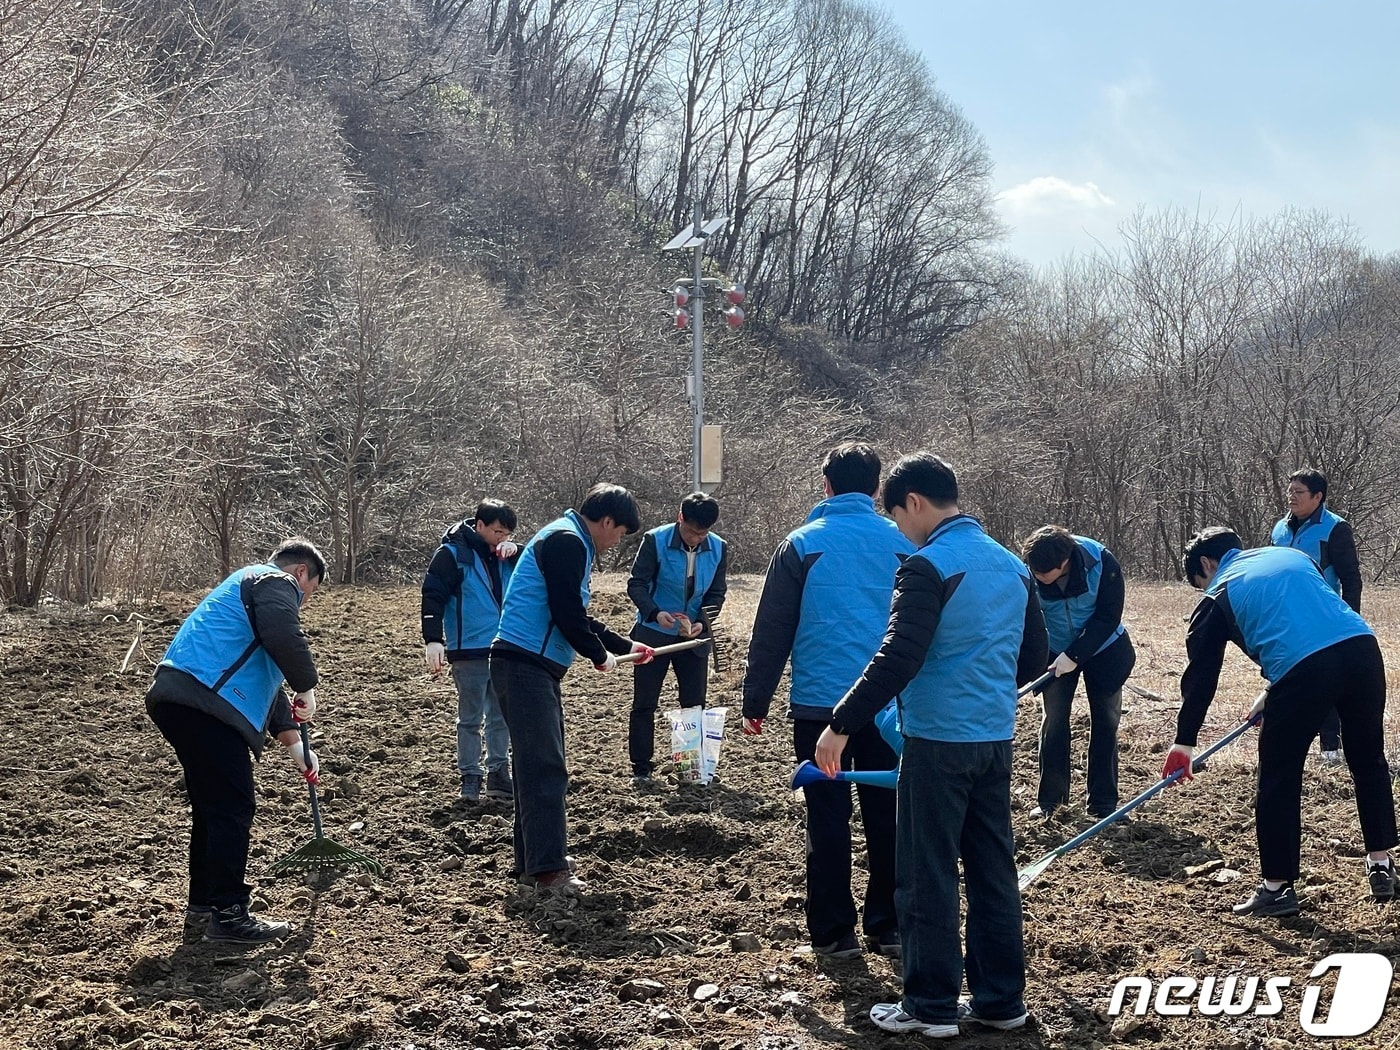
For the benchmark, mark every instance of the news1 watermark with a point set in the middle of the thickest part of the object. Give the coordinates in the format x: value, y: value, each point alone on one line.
x: 1360, y: 988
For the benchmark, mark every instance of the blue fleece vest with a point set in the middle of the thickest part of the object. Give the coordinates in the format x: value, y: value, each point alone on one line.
x: 472, y: 616
x: 525, y: 619
x: 668, y: 588
x: 846, y: 596
x: 216, y: 645
x: 1309, y: 538
x: 966, y: 690
x: 1282, y: 608
x: 1066, y: 616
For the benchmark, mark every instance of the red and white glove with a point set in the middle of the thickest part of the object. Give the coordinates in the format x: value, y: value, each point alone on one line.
x: 306, y: 761
x: 304, y: 706
x: 505, y: 549
x: 1178, y: 758
x: 435, y: 656
x: 609, y: 664
x: 648, y: 653
x: 1062, y: 665
x: 753, y: 726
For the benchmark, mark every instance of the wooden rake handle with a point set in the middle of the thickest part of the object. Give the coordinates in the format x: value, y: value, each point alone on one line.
x: 662, y: 650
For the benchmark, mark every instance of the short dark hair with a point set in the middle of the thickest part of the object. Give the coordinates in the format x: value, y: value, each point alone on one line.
x: 924, y: 473
x: 700, y: 510
x: 1047, y: 548
x: 852, y: 466
x: 1315, y: 480
x: 611, y: 501
x: 298, y: 550
x: 1213, y: 542
x: 495, y: 511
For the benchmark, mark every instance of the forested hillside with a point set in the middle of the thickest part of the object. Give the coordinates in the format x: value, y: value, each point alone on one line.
x: 343, y: 267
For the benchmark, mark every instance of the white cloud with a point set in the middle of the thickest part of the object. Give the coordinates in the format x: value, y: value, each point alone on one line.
x: 1049, y: 194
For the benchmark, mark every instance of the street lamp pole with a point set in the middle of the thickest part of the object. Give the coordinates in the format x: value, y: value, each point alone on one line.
x: 697, y: 359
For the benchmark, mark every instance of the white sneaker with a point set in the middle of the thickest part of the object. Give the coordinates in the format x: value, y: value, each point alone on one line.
x: 1331, y: 758
x: 892, y: 1018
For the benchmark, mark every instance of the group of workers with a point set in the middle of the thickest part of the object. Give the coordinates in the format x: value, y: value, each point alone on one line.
x: 917, y: 607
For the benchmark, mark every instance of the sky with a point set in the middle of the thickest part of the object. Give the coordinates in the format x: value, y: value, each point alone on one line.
x: 1237, y: 108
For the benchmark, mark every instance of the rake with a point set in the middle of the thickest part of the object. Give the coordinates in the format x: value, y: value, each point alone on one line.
x: 1031, y: 872
x: 321, y: 853
x: 722, y: 645
x: 662, y: 650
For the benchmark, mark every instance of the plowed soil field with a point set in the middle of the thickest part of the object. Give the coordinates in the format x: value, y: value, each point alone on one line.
x: 690, y: 933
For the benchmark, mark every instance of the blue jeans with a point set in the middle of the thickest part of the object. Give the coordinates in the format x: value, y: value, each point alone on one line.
x: 955, y: 801
x: 476, y: 701
x: 534, y: 711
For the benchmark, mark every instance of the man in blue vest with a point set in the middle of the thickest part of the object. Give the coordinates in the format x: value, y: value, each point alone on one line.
x: 824, y: 605
x: 1316, y: 653
x: 544, y: 625
x: 215, y: 694
x: 1081, y: 593
x: 679, y: 569
x: 1328, y: 541
x: 463, y: 591
x: 964, y: 628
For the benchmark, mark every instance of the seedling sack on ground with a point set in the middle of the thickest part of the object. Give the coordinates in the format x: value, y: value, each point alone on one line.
x: 687, y: 743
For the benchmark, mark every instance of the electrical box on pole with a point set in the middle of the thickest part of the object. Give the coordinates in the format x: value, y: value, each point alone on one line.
x: 711, y: 456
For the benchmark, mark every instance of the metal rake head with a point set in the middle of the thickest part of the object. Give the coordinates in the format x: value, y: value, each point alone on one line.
x: 324, y: 854
x: 721, y: 644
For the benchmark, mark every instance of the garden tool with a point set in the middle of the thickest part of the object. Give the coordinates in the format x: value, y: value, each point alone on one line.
x: 809, y: 773
x: 721, y: 644
x: 1036, y: 686
x: 1031, y: 872
x: 321, y: 853
x: 887, y: 722
x: 662, y: 650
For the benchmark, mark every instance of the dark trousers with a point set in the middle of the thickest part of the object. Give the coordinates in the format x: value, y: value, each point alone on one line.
x: 1329, y: 737
x: 831, y: 910
x: 692, y: 680
x: 1350, y: 676
x: 1104, y: 674
x: 219, y: 779
x: 1105, y: 711
x: 955, y: 801
x: 534, y: 711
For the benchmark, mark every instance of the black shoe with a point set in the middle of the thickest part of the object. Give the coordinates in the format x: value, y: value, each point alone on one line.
x: 1279, y: 903
x: 471, y: 787
x: 1382, y: 880
x: 886, y: 943
x: 844, y: 947
x: 237, y: 924
x: 499, y: 785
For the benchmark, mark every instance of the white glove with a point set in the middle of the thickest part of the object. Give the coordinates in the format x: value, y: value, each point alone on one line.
x: 306, y: 761
x: 435, y: 655
x: 610, y: 664
x: 505, y: 549
x: 1063, y: 665
x: 304, y: 706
